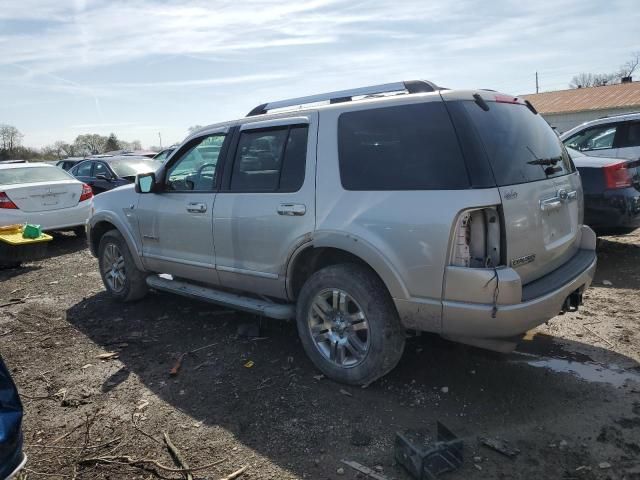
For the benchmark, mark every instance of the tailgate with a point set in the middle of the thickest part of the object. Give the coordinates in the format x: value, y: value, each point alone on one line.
x: 541, y: 224
x: 540, y: 189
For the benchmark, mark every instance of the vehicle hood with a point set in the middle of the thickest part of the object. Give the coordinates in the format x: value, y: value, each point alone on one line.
x: 10, y: 424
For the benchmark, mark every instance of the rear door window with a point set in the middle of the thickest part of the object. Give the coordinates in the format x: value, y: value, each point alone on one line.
x: 520, y: 145
x: 270, y: 159
x: 407, y: 147
x: 83, y: 170
x: 595, y: 138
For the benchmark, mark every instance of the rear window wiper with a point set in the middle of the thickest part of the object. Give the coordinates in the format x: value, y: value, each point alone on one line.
x: 544, y: 161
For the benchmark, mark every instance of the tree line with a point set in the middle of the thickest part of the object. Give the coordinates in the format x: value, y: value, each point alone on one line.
x: 88, y: 144
x: 626, y: 70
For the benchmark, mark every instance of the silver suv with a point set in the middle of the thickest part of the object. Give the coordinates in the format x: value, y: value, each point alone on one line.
x: 362, y: 214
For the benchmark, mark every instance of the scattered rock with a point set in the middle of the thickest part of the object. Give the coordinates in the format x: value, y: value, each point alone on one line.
x: 344, y: 392
x: 340, y: 471
x: 604, y: 465
x: 444, y: 389
x: 360, y: 438
x: 607, y: 283
x: 477, y: 459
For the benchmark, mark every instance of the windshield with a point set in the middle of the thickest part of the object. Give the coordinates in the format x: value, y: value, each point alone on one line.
x: 133, y: 167
x: 14, y: 176
x: 520, y: 145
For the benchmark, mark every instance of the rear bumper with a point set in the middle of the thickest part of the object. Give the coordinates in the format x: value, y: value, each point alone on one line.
x: 482, y: 305
x: 613, y: 209
x: 484, y: 321
x: 50, y: 220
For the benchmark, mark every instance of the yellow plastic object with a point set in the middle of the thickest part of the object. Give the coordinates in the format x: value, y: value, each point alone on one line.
x: 14, y: 237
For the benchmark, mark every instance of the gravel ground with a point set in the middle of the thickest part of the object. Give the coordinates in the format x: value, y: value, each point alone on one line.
x: 568, y: 399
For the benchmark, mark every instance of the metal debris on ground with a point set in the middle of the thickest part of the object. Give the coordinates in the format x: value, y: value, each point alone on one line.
x: 107, y: 356
x: 445, y: 455
x: 500, y: 446
x: 368, y: 472
x: 249, y: 364
x: 345, y: 392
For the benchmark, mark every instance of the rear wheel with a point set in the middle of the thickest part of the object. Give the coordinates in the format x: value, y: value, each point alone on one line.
x: 120, y: 276
x: 348, y: 324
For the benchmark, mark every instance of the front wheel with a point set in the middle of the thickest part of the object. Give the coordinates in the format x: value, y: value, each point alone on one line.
x: 348, y: 324
x: 119, y: 273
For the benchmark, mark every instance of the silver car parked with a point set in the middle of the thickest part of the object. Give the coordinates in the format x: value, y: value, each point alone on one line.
x: 362, y: 214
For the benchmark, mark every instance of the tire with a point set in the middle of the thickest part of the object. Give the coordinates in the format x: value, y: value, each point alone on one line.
x: 80, y: 232
x: 123, y: 280
x: 380, y: 335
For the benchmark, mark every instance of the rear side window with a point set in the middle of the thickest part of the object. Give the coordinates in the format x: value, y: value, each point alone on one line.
x: 520, y: 145
x: 83, y: 170
x: 270, y: 160
x: 408, y: 147
x: 595, y: 138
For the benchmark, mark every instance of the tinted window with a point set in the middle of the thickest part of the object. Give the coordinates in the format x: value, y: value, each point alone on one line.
x: 520, y: 145
x: 13, y: 176
x: 270, y: 160
x: 633, y: 135
x: 131, y: 168
x: 596, y: 138
x: 196, y: 168
x: 409, y: 147
x: 83, y: 170
x: 101, y: 169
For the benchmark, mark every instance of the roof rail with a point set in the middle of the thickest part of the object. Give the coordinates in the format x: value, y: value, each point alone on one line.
x: 409, y: 86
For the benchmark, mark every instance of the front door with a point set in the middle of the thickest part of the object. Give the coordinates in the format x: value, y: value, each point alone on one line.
x: 266, y: 207
x: 176, y: 223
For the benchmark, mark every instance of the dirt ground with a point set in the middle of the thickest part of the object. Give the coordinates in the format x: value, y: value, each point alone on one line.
x: 568, y: 399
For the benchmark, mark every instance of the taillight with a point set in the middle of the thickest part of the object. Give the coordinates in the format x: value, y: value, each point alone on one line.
x: 86, y: 194
x: 477, y: 239
x: 5, y: 202
x: 617, y: 175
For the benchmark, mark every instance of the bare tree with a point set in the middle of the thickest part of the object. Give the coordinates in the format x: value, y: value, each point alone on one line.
x: 599, y: 79
x: 91, y: 143
x: 629, y: 67
x: 10, y: 138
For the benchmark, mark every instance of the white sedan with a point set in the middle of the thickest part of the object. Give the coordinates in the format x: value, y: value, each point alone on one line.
x: 44, y: 195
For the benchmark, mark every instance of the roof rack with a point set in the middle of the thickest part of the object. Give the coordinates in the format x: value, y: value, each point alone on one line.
x: 409, y: 86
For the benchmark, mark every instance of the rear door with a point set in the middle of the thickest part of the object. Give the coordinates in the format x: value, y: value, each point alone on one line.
x: 539, y: 186
x: 267, y: 205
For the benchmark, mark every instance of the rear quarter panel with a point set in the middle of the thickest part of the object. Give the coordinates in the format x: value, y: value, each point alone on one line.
x: 405, y: 233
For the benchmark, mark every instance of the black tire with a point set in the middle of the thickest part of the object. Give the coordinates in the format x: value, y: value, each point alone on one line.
x: 134, y: 286
x: 386, y: 336
x: 80, y: 232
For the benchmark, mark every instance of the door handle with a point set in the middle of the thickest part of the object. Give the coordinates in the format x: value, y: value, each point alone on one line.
x: 292, y: 209
x: 550, y: 204
x: 196, y: 207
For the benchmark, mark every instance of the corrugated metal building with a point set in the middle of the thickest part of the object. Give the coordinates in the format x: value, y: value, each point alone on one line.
x: 565, y: 109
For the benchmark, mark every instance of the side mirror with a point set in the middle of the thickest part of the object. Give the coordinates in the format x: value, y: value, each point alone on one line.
x: 145, y: 182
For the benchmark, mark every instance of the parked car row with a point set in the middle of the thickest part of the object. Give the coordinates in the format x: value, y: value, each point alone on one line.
x: 606, y: 152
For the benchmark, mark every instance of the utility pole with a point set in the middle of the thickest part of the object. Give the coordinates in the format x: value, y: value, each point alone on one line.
x: 160, y: 137
x: 537, y: 87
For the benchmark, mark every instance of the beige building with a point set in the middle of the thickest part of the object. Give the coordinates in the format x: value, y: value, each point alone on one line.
x: 565, y: 109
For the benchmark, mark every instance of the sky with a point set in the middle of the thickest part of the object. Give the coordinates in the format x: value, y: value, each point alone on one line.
x: 140, y: 68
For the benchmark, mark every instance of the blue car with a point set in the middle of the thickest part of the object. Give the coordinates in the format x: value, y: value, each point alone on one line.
x: 11, y: 457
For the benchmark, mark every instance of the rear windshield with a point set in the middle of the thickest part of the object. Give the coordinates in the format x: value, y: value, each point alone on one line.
x: 134, y: 167
x: 407, y: 147
x: 13, y: 176
x: 520, y: 145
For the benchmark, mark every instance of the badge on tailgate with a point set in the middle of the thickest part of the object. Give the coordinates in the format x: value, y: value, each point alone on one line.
x: 518, y: 262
